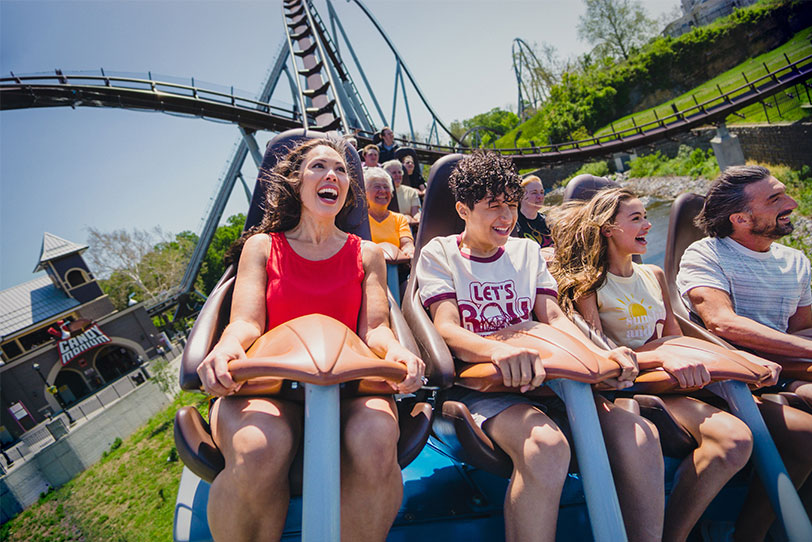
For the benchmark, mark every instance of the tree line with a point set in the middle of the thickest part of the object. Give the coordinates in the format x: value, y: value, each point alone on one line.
x: 146, y: 265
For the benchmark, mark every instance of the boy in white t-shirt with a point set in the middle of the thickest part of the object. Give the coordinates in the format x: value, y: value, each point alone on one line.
x: 482, y: 281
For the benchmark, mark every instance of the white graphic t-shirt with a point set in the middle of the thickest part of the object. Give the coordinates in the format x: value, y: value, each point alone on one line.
x: 631, y: 309
x: 491, y: 293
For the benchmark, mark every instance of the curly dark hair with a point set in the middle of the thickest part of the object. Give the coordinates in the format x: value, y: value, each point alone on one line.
x: 282, y: 206
x: 485, y: 174
x: 725, y: 197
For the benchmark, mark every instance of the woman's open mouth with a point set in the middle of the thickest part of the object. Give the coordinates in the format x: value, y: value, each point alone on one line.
x: 328, y: 194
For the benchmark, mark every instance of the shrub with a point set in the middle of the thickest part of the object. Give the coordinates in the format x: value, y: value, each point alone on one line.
x: 694, y: 163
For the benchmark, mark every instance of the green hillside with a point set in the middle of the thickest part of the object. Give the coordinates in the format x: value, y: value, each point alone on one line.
x: 128, y: 496
x: 783, y: 107
x: 592, y: 97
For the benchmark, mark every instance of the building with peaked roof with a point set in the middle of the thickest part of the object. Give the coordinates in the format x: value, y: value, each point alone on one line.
x: 61, y: 339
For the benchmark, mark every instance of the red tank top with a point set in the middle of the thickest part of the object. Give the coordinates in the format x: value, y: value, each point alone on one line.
x: 298, y: 286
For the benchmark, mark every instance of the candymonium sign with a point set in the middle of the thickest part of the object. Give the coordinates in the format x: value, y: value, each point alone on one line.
x: 85, y: 341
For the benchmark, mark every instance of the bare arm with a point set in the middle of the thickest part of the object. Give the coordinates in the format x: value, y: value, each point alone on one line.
x: 407, y: 246
x: 520, y: 367
x: 373, y: 321
x: 715, y: 308
x: 688, y: 372
x: 247, y: 318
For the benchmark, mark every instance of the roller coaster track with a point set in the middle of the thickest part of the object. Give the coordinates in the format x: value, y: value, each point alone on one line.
x: 61, y: 89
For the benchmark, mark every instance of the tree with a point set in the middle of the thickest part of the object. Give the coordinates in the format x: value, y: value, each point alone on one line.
x: 213, y: 265
x: 615, y: 27
x: 485, y: 128
x: 145, y: 263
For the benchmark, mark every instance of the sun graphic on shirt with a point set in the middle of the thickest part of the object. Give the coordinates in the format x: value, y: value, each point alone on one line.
x: 634, y: 308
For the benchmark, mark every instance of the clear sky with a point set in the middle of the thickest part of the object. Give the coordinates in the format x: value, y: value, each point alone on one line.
x: 64, y: 170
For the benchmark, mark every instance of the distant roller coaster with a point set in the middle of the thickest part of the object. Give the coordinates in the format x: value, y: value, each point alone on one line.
x: 325, y: 97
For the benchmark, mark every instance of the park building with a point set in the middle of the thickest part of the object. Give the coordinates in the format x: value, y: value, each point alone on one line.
x: 62, y: 342
x: 701, y: 12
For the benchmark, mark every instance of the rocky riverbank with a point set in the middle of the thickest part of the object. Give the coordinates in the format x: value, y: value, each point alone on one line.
x: 668, y: 188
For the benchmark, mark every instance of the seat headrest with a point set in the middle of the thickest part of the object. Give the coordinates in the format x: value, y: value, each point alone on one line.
x: 681, y: 232
x: 438, y: 216
x: 402, y: 152
x: 354, y: 221
x: 584, y: 186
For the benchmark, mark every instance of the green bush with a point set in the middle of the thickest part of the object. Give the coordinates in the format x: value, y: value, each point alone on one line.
x: 598, y: 169
x: 694, y: 163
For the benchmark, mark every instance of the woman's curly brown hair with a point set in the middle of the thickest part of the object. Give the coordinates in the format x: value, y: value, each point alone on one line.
x: 282, y: 206
x: 485, y: 174
x: 581, y: 250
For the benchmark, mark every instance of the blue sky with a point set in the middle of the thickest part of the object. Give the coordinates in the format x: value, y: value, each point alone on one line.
x: 64, y: 170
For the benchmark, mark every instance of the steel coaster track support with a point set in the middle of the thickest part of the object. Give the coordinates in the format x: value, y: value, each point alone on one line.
x: 227, y: 185
x: 523, y: 55
x: 399, y: 79
x: 405, y: 67
x: 304, y: 43
x: 334, y: 20
x: 348, y: 92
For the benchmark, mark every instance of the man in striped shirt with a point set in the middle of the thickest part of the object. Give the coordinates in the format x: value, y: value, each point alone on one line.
x: 755, y: 293
x: 747, y: 288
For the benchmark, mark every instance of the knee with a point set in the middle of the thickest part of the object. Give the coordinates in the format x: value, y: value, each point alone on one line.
x: 370, y: 445
x: 261, y: 456
x: 546, y: 453
x: 734, y: 439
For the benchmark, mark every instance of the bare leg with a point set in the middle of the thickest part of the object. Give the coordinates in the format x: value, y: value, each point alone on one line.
x: 258, y: 437
x: 791, y: 430
x: 540, y: 455
x: 633, y: 446
x: 371, y: 484
x: 725, y: 444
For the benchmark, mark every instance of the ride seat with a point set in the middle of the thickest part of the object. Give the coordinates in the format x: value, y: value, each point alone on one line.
x: 193, y: 438
x: 454, y: 426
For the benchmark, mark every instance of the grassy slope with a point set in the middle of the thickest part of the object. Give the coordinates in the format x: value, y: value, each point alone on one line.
x: 127, y: 496
x: 798, y: 47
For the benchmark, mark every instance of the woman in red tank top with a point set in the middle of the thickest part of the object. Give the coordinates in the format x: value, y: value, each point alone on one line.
x: 299, y: 262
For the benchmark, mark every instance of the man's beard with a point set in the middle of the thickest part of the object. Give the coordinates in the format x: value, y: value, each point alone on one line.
x: 772, y: 230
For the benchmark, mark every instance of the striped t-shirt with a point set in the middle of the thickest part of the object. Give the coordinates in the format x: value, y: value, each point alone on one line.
x: 767, y: 287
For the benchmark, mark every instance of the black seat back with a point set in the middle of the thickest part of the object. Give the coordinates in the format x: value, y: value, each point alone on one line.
x: 681, y: 233
x: 583, y: 187
x: 439, y: 217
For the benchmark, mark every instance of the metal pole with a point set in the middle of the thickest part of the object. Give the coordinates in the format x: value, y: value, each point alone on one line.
x: 253, y: 147
x: 596, y: 475
x: 770, y: 467
x: 321, y: 486
x: 392, y: 281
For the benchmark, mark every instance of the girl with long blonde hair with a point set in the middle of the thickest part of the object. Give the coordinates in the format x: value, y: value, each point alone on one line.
x: 597, y: 277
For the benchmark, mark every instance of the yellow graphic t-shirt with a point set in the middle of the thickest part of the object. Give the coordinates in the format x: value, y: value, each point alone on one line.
x: 631, y: 309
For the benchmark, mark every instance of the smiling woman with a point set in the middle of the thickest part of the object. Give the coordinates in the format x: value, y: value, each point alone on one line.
x: 299, y: 262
